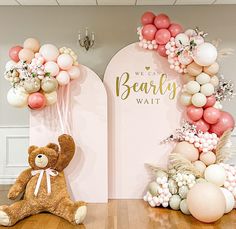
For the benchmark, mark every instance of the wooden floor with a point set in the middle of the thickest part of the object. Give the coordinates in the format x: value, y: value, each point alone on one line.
x: 122, y: 214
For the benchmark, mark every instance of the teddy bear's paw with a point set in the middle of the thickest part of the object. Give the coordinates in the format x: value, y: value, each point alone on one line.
x: 80, y: 214
x: 4, y: 218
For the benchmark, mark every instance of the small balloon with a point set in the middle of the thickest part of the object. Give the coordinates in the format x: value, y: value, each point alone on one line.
x: 162, y: 36
x: 32, y: 44
x: 211, y: 115
x: 211, y: 100
x: 148, y: 18
x: 63, y: 78
x: 14, y: 53
x: 65, y: 61
x: 26, y: 55
x: 161, y: 50
x: 49, y: 52
x: 51, y: 98
x: 194, y: 113
x: 74, y: 72
x: 36, y: 101
x: 202, y: 125
x: 149, y: 32
x: 162, y: 21
x: 175, y: 29
x: 52, y: 68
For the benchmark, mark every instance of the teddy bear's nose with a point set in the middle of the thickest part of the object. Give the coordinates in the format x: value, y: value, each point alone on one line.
x: 39, y: 156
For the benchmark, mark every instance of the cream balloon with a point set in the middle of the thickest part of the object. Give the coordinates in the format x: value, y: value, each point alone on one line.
x: 10, y: 64
x: 199, y: 100
x: 203, y: 78
x: 215, y: 174
x: 187, y: 150
x: 186, y: 78
x: 32, y: 44
x: 49, y: 52
x: 211, y: 69
x: 214, y: 81
x: 17, y: 97
x: 229, y: 200
x: 32, y: 85
x: 186, y: 99
x: 175, y: 202
x: 52, y: 68
x: 49, y: 84
x: 207, y: 89
x: 51, y: 98
x: 26, y: 55
x: 184, y: 207
x: 206, y: 202
x: 194, y: 69
x: 200, y: 166
x: 208, y: 158
x: 152, y: 188
x: 192, y: 87
x: 205, y: 54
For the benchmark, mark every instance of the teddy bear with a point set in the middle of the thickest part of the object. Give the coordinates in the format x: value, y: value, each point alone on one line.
x: 44, y: 186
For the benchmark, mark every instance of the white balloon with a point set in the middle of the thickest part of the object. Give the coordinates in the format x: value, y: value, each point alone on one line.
x: 229, y: 200
x: 185, y: 99
x: 63, y: 78
x: 199, y: 100
x: 215, y: 174
x: 49, y: 52
x: 51, y: 98
x: 205, y: 54
x: 192, y: 87
x: 207, y: 89
x: 17, y: 97
x: 203, y: 78
x: 181, y: 39
x: 214, y: 81
x: 10, y: 64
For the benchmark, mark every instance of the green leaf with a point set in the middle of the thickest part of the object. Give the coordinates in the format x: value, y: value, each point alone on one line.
x: 47, y: 74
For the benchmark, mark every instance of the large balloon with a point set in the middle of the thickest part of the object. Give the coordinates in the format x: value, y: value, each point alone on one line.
x: 17, y: 97
x: 52, y: 68
x: 205, y: 54
x: 49, y: 84
x: 215, y: 174
x: 162, y: 21
x: 14, y: 53
x: 226, y: 122
x: 149, y: 32
x: 162, y: 36
x: 36, y: 101
x: 175, y: 29
x: 49, y: 52
x: 65, y: 61
x: 26, y: 55
x: 194, y: 113
x: 211, y: 115
x: 206, y: 202
x: 32, y: 44
x: 147, y: 18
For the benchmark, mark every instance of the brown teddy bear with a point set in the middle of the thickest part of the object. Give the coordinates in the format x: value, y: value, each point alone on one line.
x: 44, y: 185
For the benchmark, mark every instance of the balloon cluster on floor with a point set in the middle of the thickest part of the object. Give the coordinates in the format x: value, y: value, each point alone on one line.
x: 35, y: 73
x: 197, y: 180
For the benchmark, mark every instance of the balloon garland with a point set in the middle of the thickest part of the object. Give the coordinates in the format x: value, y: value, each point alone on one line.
x: 197, y: 177
x: 35, y: 73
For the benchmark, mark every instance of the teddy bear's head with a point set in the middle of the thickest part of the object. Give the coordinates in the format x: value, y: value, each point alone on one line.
x: 43, y: 157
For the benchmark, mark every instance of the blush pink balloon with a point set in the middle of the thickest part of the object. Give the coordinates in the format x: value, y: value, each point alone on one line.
x: 26, y: 55
x: 13, y: 53
x: 74, y: 72
x: 175, y: 29
x: 211, y: 115
x: 36, y: 100
x: 162, y: 36
x: 211, y: 100
x: 226, y: 122
x: 194, y: 113
x: 63, y: 78
x: 147, y: 18
x: 52, y: 68
x: 65, y: 61
x: 162, y: 21
x: 202, y: 125
x: 149, y: 32
x: 161, y: 50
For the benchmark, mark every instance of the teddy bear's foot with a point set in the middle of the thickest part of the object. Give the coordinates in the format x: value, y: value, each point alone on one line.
x: 5, y: 219
x: 80, y: 214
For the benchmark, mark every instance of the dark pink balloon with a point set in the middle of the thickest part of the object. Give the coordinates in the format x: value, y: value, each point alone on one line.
x: 36, y: 100
x: 211, y: 100
x: 226, y: 122
x: 162, y: 21
x: 148, y: 18
x: 202, y: 125
x: 194, y: 113
x: 162, y: 36
x: 211, y: 115
x: 13, y: 53
x: 161, y: 50
x: 175, y: 29
x: 149, y: 32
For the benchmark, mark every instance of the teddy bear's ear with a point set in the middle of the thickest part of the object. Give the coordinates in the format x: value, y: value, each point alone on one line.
x: 53, y: 146
x: 31, y: 149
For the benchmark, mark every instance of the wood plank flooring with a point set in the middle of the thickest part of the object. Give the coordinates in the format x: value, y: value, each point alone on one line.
x: 122, y: 214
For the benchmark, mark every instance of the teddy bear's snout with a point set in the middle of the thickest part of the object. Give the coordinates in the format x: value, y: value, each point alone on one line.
x: 41, y: 160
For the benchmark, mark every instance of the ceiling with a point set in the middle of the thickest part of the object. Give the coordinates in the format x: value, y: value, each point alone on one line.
x: 113, y: 2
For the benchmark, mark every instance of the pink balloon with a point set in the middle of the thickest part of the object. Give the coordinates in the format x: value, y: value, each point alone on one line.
x: 161, y: 50
x: 226, y: 122
x: 211, y: 115
x: 65, y: 61
x: 13, y: 53
x: 148, y: 18
x: 202, y: 125
x: 36, y: 101
x: 211, y: 100
x: 162, y: 21
x: 63, y: 78
x: 194, y: 113
x: 162, y: 36
x: 149, y: 32
x: 26, y: 55
x: 74, y: 72
x: 52, y: 68
x: 175, y: 29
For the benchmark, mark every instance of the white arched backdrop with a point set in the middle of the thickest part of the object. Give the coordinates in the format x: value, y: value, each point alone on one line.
x: 138, y: 121
x: 87, y: 173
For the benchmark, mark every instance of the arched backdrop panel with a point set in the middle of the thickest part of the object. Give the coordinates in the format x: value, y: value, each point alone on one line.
x: 87, y: 173
x: 139, y: 122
